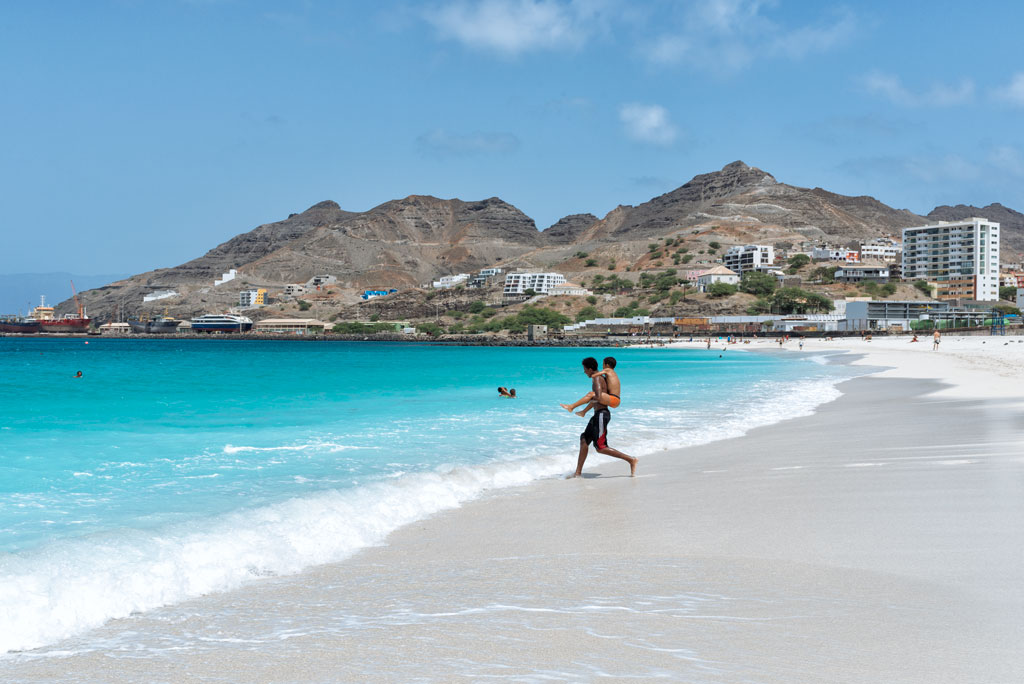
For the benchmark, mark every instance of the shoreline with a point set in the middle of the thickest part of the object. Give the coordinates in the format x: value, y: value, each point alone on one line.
x: 556, y: 567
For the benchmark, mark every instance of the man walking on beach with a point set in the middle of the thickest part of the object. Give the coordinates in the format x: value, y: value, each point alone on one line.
x: 597, y: 429
x: 935, y: 340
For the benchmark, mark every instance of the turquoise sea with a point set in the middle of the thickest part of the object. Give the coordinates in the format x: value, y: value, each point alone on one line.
x: 175, y: 468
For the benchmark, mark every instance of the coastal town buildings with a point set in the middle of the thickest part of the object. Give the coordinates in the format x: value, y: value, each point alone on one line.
x: 449, y: 281
x: 484, y: 277
x: 743, y: 258
x: 373, y: 294
x: 882, y: 249
x: 518, y: 283
x: 571, y: 289
x: 319, y: 281
x: 828, y: 253
x: 961, y: 258
x: 291, y: 326
x: 860, y: 274
x: 248, y: 299
x: 718, y: 274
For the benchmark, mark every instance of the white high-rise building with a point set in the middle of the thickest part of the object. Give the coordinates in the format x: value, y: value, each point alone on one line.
x: 960, y: 257
x: 519, y: 283
x: 741, y: 259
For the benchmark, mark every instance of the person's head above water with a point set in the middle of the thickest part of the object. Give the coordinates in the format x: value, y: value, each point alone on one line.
x: 589, y: 365
x: 78, y: 374
x: 512, y: 392
x: 609, y: 362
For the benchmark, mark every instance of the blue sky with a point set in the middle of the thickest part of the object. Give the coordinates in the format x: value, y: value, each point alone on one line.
x: 139, y: 133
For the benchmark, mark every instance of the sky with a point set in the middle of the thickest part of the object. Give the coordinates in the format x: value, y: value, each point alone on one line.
x: 138, y: 134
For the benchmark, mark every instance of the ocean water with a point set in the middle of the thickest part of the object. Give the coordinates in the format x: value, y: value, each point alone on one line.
x: 176, y: 468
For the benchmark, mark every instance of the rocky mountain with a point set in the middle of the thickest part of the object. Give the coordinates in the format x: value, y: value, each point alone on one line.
x: 751, y: 200
x: 1011, y: 222
x: 406, y: 243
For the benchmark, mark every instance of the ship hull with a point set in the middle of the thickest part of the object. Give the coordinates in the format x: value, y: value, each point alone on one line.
x: 23, y: 327
x: 221, y: 327
x: 65, y: 325
x: 160, y: 327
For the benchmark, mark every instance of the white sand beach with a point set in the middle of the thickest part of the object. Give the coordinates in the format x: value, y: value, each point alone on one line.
x: 878, y: 540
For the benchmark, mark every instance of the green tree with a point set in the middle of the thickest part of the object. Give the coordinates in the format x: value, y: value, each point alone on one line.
x: 789, y: 300
x: 477, y: 306
x: 1009, y: 293
x: 763, y: 305
x: 799, y: 260
x: 430, y: 328
x: 825, y: 274
x: 590, y: 262
x: 586, y: 313
x: 714, y: 245
x: 717, y: 290
x: 581, y: 255
x: 652, y: 247
x: 591, y: 299
x: 687, y: 258
x: 304, y: 305
x: 923, y: 287
x: 530, y: 292
x: 757, y: 283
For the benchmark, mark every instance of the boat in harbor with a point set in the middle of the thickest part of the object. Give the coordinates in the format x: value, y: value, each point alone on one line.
x: 221, y: 323
x: 48, y: 322
x: 18, y: 324
x: 154, y: 326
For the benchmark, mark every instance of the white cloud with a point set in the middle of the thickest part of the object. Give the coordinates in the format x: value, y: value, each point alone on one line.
x: 511, y: 27
x: 648, y: 123
x: 443, y: 143
x: 1013, y: 92
x: 729, y: 35
x: 891, y: 87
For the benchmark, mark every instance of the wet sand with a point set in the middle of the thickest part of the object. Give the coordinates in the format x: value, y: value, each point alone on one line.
x: 879, y: 540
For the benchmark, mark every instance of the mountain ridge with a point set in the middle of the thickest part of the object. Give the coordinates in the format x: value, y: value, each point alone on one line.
x: 405, y: 243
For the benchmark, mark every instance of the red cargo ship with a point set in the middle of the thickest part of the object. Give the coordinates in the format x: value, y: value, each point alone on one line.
x: 68, y: 323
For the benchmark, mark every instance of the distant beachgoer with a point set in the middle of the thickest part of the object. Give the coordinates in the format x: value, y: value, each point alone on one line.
x: 78, y: 374
x: 502, y: 392
x: 801, y: 344
x: 596, y: 432
x: 709, y: 343
x: 611, y: 398
x: 512, y: 393
x: 915, y: 339
x: 935, y: 340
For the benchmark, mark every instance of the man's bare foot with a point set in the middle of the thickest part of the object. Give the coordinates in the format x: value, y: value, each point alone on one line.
x: 632, y: 466
x: 582, y: 414
x: 573, y: 476
x: 567, y: 407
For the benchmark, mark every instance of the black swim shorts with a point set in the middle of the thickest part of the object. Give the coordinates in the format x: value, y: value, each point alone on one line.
x: 597, y: 429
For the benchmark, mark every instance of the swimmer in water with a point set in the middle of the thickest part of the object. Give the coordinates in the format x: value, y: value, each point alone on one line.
x: 78, y: 374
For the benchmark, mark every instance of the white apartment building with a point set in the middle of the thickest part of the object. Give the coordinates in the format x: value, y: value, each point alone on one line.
x: 444, y: 282
x: 888, y: 251
x: 961, y: 258
x: 741, y: 259
x: 519, y: 283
